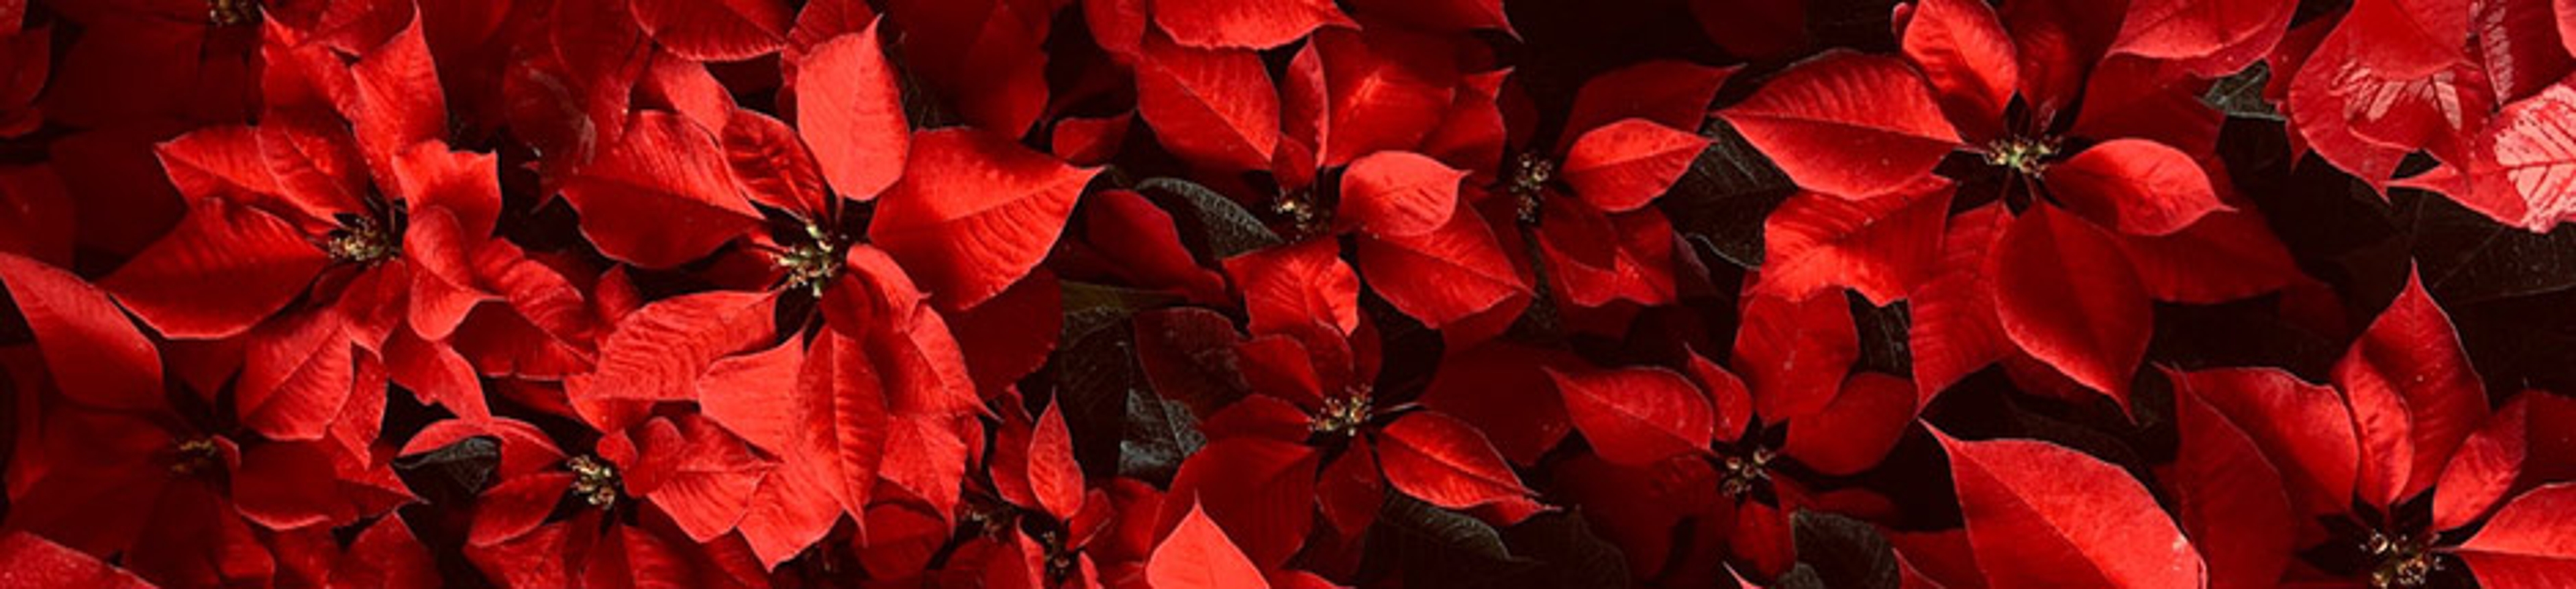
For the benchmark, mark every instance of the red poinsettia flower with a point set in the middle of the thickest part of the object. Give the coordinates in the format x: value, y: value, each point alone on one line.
x: 1631, y: 135
x: 1035, y: 520
x: 368, y: 233
x: 1308, y: 431
x: 640, y: 506
x: 1668, y: 447
x: 1369, y: 133
x: 2104, y: 204
x: 2477, y: 86
x: 162, y: 477
x: 2402, y: 461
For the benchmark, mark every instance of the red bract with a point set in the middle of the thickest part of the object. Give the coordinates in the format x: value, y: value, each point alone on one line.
x: 2393, y: 465
x: 1197, y: 294
x: 2099, y: 194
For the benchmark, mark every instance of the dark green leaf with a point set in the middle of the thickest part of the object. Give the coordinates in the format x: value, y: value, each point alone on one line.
x: 1727, y: 192
x: 2241, y: 95
x: 1160, y: 433
x: 1570, y: 555
x: 1843, y: 551
x: 1210, y: 223
x: 2466, y: 257
x: 452, y: 474
x: 1433, y: 547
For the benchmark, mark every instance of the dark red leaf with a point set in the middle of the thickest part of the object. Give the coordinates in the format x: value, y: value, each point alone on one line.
x: 1636, y: 416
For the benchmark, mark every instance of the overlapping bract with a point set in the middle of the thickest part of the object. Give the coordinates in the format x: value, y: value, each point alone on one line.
x: 1182, y: 294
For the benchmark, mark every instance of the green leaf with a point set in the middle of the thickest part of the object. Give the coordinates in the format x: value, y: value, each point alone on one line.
x: 1843, y: 551
x: 1213, y: 225
x: 1160, y: 433
x: 1726, y: 194
x: 1570, y: 555
x: 452, y: 474
x: 1433, y: 547
x: 2241, y: 95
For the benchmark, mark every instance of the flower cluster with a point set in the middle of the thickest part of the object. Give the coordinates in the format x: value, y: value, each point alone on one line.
x: 1228, y: 294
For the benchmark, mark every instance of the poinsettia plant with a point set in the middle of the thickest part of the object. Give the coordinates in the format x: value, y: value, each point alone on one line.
x: 1200, y: 294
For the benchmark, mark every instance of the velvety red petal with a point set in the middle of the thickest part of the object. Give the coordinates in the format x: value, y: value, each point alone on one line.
x: 1636, y: 416
x: 1444, y: 276
x: 1674, y: 94
x: 715, y: 30
x: 2231, y: 500
x: 1857, y: 429
x: 1445, y: 462
x: 2302, y: 428
x: 2137, y: 186
x: 1262, y: 489
x: 2064, y: 293
x: 774, y: 166
x: 1963, y: 50
x: 1882, y: 248
x: 697, y: 473
x: 2528, y: 543
x: 1212, y: 107
x: 657, y: 352
x: 1954, y: 330
x: 96, y: 356
x: 1399, y: 193
x: 849, y: 110
x: 1244, y: 25
x: 38, y: 562
x: 1795, y: 354
x: 1199, y: 556
x: 660, y: 197
x: 1846, y: 124
x: 974, y: 213
x: 1289, y: 288
x: 2412, y: 357
x: 1626, y: 164
x: 266, y: 262
x: 2042, y: 515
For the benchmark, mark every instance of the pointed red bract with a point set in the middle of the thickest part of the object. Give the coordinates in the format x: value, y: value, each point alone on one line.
x: 2041, y: 515
x: 2232, y: 500
x: 1626, y: 164
x: 1244, y: 25
x: 1053, y: 474
x: 266, y: 262
x: 1289, y: 288
x: 2414, y: 396
x: 1970, y: 60
x: 95, y: 355
x: 2137, y: 186
x: 1847, y: 125
x: 974, y: 213
x: 667, y: 175
x: 1637, y: 416
x: 1445, y: 462
x: 2064, y: 294
x: 715, y: 30
x: 38, y: 562
x: 1399, y: 193
x: 2528, y: 543
x: 1198, y: 556
x: 1856, y: 430
x: 1882, y: 248
x: 850, y: 111
x: 1213, y: 107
